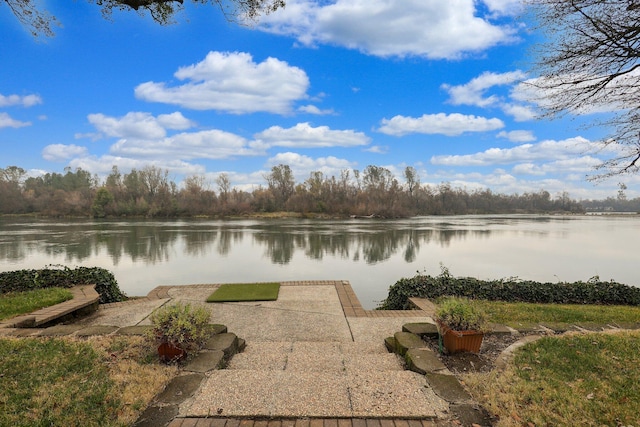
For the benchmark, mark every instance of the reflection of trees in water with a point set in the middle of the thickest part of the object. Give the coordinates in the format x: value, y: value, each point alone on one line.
x: 319, y: 245
x: 75, y: 245
x: 411, y: 249
x: 15, y: 248
x: 227, y: 239
x: 148, y: 244
x: 151, y: 242
x: 198, y: 242
x: 380, y: 246
x: 371, y: 246
x: 279, y: 246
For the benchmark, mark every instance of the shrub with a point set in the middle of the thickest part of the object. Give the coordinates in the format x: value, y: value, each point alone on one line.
x: 593, y: 291
x: 460, y: 314
x: 181, y: 325
x: 63, y: 277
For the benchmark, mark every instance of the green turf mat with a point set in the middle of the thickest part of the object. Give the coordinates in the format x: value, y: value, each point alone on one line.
x: 245, y: 292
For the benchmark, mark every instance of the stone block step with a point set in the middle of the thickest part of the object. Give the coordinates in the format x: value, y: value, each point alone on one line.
x: 405, y: 341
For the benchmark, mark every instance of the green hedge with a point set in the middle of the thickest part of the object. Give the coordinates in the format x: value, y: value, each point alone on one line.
x: 592, y: 291
x: 63, y: 277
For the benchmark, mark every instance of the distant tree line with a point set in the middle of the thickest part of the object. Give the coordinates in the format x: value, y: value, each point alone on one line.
x: 620, y: 203
x: 150, y: 193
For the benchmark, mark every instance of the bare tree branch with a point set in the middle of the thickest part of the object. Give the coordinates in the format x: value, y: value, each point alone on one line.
x: 591, y: 62
x: 39, y: 22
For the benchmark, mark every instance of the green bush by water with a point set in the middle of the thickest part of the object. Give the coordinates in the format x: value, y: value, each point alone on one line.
x: 593, y: 291
x: 63, y: 277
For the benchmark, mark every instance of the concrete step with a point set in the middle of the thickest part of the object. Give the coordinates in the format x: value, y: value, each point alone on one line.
x: 315, y: 357
x: 290, y: 393
x: 317, y: 346
x: 315, y: 379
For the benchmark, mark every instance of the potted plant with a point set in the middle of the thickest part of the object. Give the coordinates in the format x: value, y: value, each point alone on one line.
x: 179, y: 329
x: 461, y: 324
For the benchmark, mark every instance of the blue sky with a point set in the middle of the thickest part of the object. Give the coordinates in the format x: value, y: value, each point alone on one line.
x: 320, y: 86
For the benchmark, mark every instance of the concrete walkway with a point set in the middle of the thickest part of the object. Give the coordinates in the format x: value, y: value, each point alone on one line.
x: 313, y: 354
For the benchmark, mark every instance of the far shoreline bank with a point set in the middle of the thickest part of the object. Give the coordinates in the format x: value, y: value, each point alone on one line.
x: 313, y: 216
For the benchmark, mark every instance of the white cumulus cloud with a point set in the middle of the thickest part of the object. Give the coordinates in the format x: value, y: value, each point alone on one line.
x: 209, y: 144
x: 138, y: 124
x: 520, y: 112
x: 548, y: 150
x: 474, y: 92
x: 504, y: 7
x: 6, y: 121
x: 17, y: 100
x: 580, y: 165
x: 432, y: 29
x: 312, y: 109
x: 232, y: 82
x: 445, y: 124
x: 518, y: 136
x: 61, y: 152
x: 303, y: 135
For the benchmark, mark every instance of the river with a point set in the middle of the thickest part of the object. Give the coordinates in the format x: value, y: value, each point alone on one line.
x: 370, y: 254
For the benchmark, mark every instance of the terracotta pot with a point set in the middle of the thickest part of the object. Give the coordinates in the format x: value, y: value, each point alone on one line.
x: 461, y: 341
x: 170, y: 353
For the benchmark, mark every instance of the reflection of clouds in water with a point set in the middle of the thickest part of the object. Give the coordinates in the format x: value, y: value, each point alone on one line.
x: 153, y: 242
x: 371, y: 254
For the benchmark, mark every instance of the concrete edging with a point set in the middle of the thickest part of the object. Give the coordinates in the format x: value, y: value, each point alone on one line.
x: 84, y: 297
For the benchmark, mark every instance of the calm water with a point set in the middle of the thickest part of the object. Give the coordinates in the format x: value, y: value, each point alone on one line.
x: 370, y: 254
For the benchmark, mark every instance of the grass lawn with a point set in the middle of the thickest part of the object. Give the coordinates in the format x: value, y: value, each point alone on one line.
x: 576, y: 379
x: 245, y: 292
x: 103, y: 381
x: 15, y: 303
x: 525, y: 314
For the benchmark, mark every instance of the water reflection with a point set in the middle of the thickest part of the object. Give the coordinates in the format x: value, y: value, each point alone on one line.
x: 371, y: 254
x: 154, y: 242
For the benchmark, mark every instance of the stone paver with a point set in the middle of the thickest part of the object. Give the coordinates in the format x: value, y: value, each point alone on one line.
x: 424, y: 329
x: 406, y: 341
x: 423, y: 360
x: 180, y: 388
x: 206, y: 361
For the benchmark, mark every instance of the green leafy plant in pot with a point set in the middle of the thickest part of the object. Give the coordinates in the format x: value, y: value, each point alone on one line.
x: 179, y: 329
x: 461, y: 324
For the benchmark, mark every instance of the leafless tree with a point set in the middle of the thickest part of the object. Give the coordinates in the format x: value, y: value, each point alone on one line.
x: 590, y: 63
x: 40, y: 22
